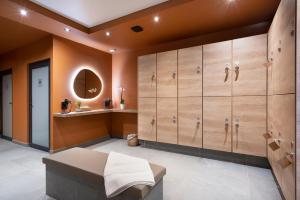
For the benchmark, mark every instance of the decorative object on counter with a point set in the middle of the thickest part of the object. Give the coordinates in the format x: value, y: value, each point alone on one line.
x: 85, y: 108
x: 87, y: 84
x: 107, y: 103
x: 66, y: 106
x: 78, y: 104
x: 132, y: 140
x: 122, y: 101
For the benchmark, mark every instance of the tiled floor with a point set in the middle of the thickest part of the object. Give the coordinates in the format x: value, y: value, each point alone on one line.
x: 22, y: 175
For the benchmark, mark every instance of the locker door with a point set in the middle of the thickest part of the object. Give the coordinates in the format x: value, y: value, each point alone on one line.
x: 190, y: 72
x: 249, y: 124
x: 217, y: 123
x: 167, y: 120
x: 167, y: 74
x: 217, y: 69
x: 250, y: 71
x: 147, y: 76
x: 147, y: 119
x: 190, y: 121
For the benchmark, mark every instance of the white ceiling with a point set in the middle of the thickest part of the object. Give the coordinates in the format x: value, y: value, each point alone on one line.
x: 93, y: 12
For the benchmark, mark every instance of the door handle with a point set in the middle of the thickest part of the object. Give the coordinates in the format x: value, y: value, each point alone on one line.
x: 237, y: 71
x: 226, y: 72
x: 153, y: 76
x: 10, y: 103
x: 174, y: 119
x: 152, y: 121
x: 174, y: 75
x: 198, y: 69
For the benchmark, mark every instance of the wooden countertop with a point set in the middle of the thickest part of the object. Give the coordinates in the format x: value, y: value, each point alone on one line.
x: 93, y: 112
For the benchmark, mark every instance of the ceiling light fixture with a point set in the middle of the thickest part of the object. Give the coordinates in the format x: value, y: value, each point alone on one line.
x: 23, y: 12
x: 156, y: 18
x: 107, y: 33
x: 112, y: 50
x: 230, y: 1
x: 67, y: 29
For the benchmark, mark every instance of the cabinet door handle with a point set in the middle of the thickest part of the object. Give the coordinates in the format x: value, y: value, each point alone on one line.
x: 152, y: 121
x: 237, y: 72
x: 153, y: 76
x: 174, y: 119
x: 174, y: 75
x: 226, y: 72
x: 198, y: 70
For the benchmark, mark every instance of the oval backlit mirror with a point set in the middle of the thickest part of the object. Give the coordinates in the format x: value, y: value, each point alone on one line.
x: 87, y: 84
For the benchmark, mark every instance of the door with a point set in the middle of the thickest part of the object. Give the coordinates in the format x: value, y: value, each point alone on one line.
x: 249, y: 60
x: 40, y: 105
x: 190, y: 121
x: 167, y: 74
x: 249, y: 125
x: 217, y: 69
x: 7, y: 105
x: 190, y: 72
x: 217, y: 123
x: 147, y: 76
x: 167, y: 120
x: 147, y: 119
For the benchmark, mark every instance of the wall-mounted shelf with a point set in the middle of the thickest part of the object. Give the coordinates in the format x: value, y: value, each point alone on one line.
x: 93, y: 112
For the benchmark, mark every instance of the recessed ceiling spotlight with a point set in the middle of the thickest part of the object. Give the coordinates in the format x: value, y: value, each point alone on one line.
x: 23, y: 12
x: 230, y: 1
x: 156, y: 18
x: 112, y: 50
x: 107, y: 33
x: 67, y: 29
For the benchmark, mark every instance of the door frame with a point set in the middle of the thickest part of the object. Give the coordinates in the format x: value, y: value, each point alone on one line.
x: 35, y: 65
x: 3, y: 73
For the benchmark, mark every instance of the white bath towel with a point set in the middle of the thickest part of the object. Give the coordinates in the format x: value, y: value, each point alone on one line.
x: 122, y: 171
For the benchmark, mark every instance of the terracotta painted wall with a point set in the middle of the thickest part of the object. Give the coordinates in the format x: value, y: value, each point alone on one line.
x: 68, y: 56
x: 18, y: 61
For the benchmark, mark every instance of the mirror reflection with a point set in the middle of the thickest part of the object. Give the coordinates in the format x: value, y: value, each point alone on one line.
x: 87, y: 84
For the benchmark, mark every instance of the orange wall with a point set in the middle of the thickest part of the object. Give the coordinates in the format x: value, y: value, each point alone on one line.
x: 124, y: 64
x: 67, y: 57
x: 18, y: 61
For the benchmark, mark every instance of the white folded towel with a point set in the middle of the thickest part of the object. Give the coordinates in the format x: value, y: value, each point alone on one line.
x: 122, y: 171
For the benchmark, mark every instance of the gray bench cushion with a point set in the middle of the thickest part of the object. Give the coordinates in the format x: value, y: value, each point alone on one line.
x: 88, y: 165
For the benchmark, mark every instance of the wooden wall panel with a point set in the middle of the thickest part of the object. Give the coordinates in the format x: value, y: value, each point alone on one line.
x: 167, y: 120
x: 147, y: 76
x: 190, y: 121
x: 249, y: 59
x: 249, y: 124
x: 216, y: 58
x: 217, y: 123
x: 167, y: 74
x: 147, y: 119
x: 190, y: 72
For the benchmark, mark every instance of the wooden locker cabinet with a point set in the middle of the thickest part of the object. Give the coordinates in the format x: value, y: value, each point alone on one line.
x: 283, y: 34
x: 216, y: 66
x: 190, y: 72
x: 217, y: 123
x: 147, y: 119
x: 167, y: 74
x: 249, y: 124
x: 167, y: 120
x: 190, y: 121
x: 249, y: 65
x: 147, y: 76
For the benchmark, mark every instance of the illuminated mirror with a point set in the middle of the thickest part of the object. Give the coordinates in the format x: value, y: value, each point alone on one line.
x: 87, y: 84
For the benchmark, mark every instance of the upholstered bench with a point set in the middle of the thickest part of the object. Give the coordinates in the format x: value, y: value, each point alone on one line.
x: 77, y: 174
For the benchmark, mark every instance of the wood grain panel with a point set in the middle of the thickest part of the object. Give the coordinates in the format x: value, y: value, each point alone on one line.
x: 216, y: 113
x: 250, y: 56
x: 167, y: 120
x: 282, y: 33
x: 190, y: 121
x: 216, y: 57
x: 147, y: 76
x: 147, y: 119
x: 190, y: 72
x: 167, y: 74
x: 249, y: 115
